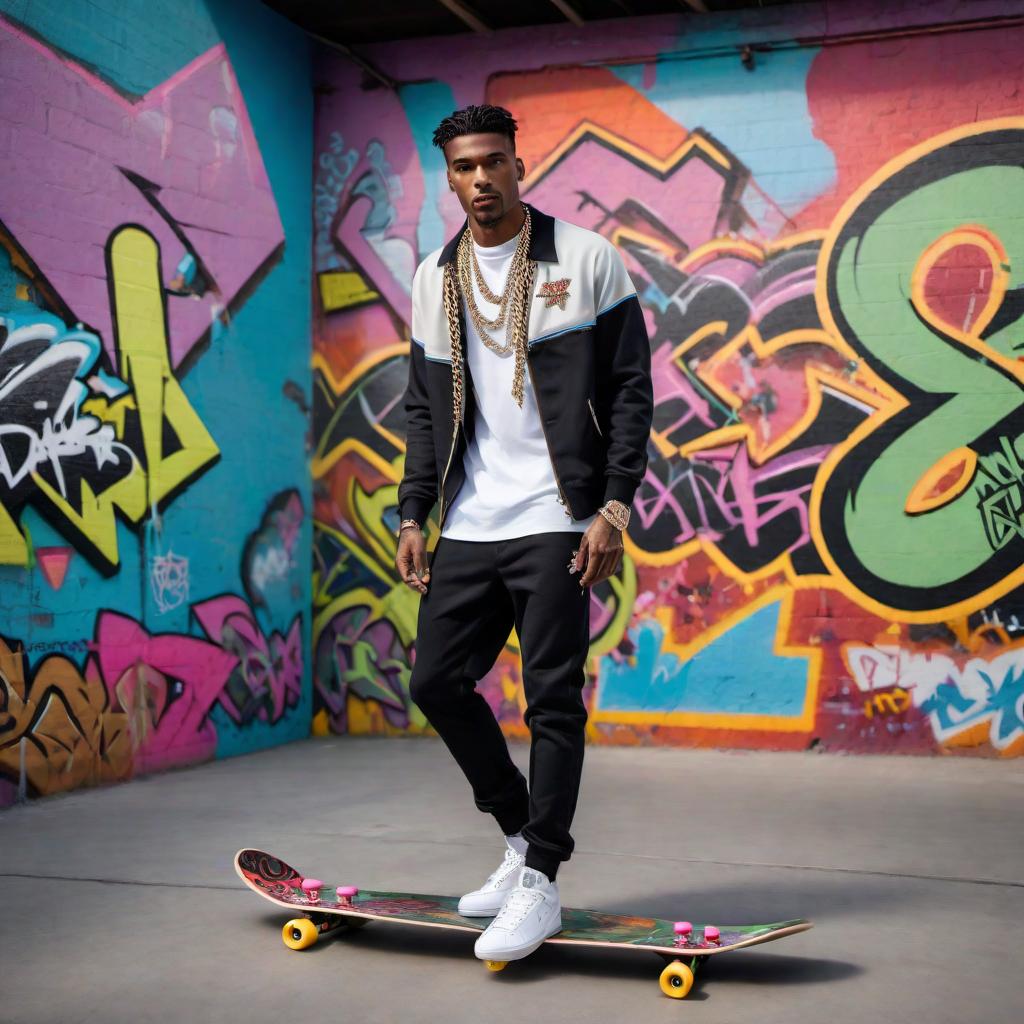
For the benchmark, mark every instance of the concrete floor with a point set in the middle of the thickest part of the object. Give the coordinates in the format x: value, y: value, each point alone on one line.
x: 120, y: 904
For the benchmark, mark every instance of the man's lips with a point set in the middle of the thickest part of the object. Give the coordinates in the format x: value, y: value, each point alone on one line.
x: 484, y: 200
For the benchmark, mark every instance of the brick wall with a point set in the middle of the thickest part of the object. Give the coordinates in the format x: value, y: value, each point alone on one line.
x: 154, y: 352
x: 827, y: 549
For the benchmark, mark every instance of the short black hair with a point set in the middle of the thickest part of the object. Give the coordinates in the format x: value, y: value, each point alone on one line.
x: 474, y: 120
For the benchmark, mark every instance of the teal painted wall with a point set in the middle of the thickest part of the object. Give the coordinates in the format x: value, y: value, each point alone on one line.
x: 154, y: 479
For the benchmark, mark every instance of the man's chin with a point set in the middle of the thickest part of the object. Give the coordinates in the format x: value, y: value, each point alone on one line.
x: 485, y: 218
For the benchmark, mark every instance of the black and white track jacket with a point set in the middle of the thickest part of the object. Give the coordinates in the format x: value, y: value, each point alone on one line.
x: 589, y: 358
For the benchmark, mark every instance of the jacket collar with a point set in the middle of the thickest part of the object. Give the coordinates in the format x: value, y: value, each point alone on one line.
x: 542, y: 239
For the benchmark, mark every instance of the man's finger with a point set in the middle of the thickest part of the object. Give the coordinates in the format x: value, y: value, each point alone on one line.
x: 580, y: 560
x: 612, y: 565
x: 593, y: 565
x: 603, y: 570
x: 423, y: 568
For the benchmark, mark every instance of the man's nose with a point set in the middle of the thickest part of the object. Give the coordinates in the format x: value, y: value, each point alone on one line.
x: 481, y: 179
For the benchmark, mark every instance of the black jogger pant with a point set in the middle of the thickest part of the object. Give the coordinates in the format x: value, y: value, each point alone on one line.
x: 477, y: 591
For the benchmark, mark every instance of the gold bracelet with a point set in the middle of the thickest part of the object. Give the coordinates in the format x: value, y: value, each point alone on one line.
x: 406, y: 524
x: 616, y: 513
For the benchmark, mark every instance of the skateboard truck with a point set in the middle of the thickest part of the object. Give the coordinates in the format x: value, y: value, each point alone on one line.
x: 311, y: 887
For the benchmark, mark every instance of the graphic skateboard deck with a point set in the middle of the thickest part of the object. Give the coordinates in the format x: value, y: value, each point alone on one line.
x: 329, y: 908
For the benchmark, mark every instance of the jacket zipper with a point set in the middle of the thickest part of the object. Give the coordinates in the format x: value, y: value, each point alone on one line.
x: 593, y: 416
x: 540, y: 413
x: 455, y: 443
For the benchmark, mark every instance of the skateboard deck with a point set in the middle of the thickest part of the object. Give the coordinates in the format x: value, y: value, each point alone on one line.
x: 329, y: 908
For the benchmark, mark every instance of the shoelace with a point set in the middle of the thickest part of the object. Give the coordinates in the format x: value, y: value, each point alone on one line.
x: 511, y: 862
x: 515, y: 908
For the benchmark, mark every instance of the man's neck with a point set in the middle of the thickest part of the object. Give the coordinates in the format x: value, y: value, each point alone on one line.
x: 486, y: 235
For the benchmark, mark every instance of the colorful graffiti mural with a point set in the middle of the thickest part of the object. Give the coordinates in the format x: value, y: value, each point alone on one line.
x: 153, y: 570
x: 832, y: 519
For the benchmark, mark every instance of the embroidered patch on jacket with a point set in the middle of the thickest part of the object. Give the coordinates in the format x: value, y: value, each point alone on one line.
x: 556, y: 293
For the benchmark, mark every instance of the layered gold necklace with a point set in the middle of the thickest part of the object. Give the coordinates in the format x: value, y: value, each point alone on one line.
x: 513, y: 307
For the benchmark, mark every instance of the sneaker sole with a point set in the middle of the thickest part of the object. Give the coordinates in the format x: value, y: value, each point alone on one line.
x: 479, y: 913
x: 520, y: 951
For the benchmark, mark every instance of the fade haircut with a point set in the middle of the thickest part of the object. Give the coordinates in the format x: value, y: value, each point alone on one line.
x: 476, y: 120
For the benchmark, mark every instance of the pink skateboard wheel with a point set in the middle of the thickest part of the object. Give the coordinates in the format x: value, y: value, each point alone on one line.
x: 311, y: 885
x: 682, y: 928
x: 712, y: 934
x: 346, y: 891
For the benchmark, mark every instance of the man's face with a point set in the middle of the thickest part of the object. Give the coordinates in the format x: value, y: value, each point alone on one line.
x: 484, y: 172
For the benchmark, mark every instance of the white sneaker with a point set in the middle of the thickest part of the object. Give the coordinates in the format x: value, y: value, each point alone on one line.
x: 532, y: 912
x: 487, y: 900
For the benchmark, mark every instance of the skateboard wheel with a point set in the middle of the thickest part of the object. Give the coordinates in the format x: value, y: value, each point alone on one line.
x: 682, y: 928
x: 496, y: 965
x: 676, y: 980
x: 711, y: 934
x: 346, y: 891
x: 300, y: 933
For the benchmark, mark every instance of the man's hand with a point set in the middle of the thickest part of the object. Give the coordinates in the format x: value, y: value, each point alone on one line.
x: 411, y: 560
x: 600, y: 551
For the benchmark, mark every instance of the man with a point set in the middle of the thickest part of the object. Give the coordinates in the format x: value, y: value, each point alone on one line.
x: 529, y: 408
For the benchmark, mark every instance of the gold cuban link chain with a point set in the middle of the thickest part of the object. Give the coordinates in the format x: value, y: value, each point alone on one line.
x: 517, y: 293
x: 469, y: 268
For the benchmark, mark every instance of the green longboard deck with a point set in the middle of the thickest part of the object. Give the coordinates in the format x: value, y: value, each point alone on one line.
x: 280, y: 883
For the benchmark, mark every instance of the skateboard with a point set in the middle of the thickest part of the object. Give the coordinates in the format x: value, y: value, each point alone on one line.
x: 327, y: 909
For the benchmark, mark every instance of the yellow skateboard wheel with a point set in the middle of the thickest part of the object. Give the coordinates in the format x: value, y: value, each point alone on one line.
x: 676, y: 980
x: 496, y: 965
x: 300, y: 933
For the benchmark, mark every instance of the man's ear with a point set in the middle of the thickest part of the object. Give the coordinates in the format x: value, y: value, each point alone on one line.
x: 450, y: 185
x: 520, y: 169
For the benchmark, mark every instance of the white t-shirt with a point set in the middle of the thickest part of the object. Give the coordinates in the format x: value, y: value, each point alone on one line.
x: 510, y: 489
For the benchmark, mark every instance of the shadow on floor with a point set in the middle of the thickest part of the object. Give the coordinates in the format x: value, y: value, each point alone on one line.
x: 748, y: 966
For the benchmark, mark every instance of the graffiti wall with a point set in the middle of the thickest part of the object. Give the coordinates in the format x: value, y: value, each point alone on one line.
x: 154, y: 354
x: 828, y: 548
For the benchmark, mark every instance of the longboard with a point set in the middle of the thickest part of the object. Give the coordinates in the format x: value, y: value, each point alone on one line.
x: 329, y: 908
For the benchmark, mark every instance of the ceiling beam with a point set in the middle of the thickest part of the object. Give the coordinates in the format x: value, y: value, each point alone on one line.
x: 695, y: 5
x: 570, y: 12
x: 362, y: 62
x: 466, y: 14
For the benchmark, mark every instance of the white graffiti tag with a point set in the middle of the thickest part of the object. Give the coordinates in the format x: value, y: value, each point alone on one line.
x: 955, y: 698
x: 40, y: 395
x: 169, y: 579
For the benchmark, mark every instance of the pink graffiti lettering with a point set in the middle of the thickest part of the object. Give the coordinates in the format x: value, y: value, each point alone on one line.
x: 166, y: 684
x: 268, y: 678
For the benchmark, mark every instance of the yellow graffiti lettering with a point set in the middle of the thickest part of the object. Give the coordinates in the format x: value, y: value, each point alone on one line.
x: 145, y: 365
x: 343, y: 289
x: 893, y: 702
x: 155, y: 396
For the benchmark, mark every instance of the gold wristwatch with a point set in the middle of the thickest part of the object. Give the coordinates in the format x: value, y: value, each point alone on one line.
x: 616, y: 513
